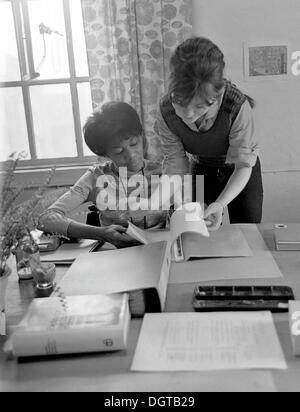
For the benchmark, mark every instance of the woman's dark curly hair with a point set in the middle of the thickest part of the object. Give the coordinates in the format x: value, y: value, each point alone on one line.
x: 115, y: 121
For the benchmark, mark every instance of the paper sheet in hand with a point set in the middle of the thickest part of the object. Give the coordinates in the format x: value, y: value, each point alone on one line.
x: 188, y: 219
x: 261, y: 265
x: 146, y: 237
x: 210, y: 341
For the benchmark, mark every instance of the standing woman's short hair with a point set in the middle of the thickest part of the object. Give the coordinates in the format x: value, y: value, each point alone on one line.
x: 196, y: 63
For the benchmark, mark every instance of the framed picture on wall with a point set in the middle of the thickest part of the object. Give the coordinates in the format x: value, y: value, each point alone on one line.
x: 266, y: 60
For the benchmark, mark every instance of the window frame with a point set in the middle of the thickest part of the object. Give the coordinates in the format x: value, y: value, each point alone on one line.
x: 26, y: 65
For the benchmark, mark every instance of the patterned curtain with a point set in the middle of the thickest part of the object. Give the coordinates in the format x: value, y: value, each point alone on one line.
x: 129, y: 44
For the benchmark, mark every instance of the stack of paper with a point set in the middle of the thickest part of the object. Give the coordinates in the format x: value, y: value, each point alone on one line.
x: 210, y: 341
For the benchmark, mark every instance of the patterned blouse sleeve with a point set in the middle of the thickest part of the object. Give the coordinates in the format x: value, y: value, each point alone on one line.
x: 54, y: 219
x: 243, y: 145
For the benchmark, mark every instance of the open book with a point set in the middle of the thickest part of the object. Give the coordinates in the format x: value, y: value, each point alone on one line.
x: 189, y: 238
x: 76, y: 325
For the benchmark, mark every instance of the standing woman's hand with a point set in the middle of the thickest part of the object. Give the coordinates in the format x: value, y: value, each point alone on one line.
x: 214, y: 215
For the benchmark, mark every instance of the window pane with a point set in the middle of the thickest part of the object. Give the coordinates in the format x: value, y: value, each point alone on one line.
x: 13, y: 130
x: 79, y: 45
x: 53, y: 121
x: 9, y: 60
x: 86, y: 108
x: 48, y: 35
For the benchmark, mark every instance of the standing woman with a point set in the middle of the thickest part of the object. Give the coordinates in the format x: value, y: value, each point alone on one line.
x: 206, y: 126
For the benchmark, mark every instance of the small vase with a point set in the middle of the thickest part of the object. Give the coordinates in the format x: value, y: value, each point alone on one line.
x: 3, y: 287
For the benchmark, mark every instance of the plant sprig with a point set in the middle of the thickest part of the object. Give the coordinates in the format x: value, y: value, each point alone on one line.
x: 14, y: 217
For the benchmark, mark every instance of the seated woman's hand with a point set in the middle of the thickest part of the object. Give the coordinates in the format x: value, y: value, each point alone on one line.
x: 117, y: 236
x: 214, y: 216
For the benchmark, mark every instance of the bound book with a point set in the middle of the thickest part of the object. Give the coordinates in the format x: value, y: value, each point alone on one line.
x: 77, y: 324
x: 189, y: 237
x: 141, y: 271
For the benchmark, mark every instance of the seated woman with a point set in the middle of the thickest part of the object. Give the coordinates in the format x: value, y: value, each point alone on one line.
x: 116, y: 134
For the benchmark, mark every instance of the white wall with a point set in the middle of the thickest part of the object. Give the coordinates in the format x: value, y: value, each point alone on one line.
x: 230, y: 23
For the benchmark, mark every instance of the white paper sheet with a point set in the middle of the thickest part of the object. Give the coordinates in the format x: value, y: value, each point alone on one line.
x: 208, y: 341
x: 188, y: 219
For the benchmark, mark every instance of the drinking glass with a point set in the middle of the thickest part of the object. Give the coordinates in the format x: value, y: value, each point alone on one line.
x: 44, y: 275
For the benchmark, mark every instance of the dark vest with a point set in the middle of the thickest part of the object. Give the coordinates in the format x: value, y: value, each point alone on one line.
x: 211, y: 146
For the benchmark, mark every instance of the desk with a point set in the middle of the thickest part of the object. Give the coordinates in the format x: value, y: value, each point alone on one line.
x: 110, y: 371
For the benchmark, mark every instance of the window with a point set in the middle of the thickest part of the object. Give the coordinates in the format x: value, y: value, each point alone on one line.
x: 45, y: 94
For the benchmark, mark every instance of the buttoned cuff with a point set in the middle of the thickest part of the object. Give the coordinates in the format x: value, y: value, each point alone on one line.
x: 54, y: 222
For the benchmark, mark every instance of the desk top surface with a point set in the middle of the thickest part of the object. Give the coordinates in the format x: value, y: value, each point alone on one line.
x: 107, y: 372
